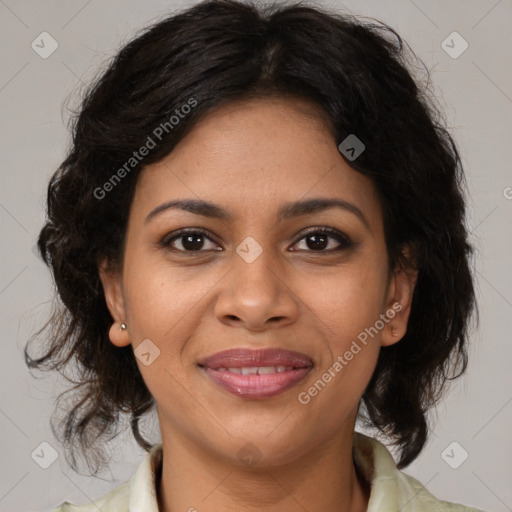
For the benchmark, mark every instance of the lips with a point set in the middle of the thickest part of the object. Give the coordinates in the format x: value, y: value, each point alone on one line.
x: 256, y: 374
x: 244, y: 358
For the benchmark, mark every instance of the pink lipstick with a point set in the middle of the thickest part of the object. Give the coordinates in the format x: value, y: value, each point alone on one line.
x: 257, y: 374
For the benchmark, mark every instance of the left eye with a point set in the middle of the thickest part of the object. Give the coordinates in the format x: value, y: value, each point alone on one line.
x: 316, y: 240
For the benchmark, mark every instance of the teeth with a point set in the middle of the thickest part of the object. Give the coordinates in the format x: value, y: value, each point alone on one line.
x: 257, y: 370
x: 266, y: 370
x: 250, y: 371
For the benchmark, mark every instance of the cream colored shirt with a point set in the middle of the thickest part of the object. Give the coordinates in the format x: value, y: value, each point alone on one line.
x: 391, y: 490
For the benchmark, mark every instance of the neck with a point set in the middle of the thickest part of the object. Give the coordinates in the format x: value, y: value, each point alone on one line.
x: 194, y: 478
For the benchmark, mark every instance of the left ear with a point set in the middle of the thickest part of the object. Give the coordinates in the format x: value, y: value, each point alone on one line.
x: 399, y: 299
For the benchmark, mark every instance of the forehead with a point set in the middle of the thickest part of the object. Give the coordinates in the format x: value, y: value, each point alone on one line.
x: 276, y: 126
x: 255, y: 155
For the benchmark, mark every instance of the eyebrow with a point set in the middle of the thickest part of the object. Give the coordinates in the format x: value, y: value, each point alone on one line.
x: 287, y: 211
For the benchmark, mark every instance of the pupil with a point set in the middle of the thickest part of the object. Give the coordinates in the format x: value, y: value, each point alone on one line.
x: 193, y: 242
x: 319, y: 241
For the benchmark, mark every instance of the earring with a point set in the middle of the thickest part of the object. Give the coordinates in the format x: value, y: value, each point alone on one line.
x: 123, y: 326
x: 393, y: 331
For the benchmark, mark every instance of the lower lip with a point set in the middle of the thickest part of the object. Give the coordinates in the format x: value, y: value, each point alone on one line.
x: 256, y: 386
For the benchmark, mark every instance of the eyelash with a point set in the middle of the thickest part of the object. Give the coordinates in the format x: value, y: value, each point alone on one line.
x: 341, y: 238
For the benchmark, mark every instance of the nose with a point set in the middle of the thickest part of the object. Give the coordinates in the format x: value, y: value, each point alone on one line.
x: 256, y: 296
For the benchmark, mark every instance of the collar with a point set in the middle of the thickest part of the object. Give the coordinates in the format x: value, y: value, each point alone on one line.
x: 378, y: 468
x: 143, y: 482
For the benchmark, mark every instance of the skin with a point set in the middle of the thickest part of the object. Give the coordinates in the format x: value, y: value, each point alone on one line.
x: 250, y: 158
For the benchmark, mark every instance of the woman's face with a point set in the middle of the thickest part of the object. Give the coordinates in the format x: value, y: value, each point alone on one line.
x: 262, y: 276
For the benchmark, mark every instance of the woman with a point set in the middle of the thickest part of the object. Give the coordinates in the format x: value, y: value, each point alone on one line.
x: 259, y: 230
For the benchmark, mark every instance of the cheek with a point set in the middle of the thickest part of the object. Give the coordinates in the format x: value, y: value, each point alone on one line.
x: 349, y: 299
x: 349, y: 306
x: 347, y: 309
x: 159, y: 296
x: 166, y: 305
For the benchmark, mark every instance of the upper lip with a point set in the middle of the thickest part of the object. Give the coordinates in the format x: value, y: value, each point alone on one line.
x: 243, y: 357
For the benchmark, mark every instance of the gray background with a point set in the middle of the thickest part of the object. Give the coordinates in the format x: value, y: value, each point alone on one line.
x: 475, y: 91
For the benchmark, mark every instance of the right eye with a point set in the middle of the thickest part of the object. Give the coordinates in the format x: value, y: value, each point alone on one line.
x: 191, y: 240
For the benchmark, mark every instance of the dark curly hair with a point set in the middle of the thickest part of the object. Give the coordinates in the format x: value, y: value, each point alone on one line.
x: 359, y: 72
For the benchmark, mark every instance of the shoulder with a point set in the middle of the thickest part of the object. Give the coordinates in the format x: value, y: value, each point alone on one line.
x: 414, y: 492
x: 116, y: 500
x: 391, y: 489
x: 139, y: 493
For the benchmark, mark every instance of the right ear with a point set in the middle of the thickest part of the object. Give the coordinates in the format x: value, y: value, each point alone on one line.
x: 111, y: 281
